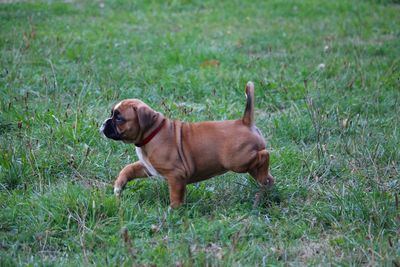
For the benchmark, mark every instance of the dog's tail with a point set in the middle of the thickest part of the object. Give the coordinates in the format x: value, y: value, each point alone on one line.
x: 248, y: 117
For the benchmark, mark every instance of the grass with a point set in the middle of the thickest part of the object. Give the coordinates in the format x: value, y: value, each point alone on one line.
x: 327, y: 100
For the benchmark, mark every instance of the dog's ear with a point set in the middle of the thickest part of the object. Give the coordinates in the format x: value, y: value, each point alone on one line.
x: 146, y: 117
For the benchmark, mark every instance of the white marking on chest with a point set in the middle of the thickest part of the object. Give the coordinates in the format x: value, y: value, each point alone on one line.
x: 146, y: 162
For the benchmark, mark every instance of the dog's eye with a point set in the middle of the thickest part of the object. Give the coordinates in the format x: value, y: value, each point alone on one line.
x: 119, y: 119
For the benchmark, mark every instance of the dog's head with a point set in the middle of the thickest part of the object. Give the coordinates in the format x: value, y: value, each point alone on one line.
x: 129, y: 120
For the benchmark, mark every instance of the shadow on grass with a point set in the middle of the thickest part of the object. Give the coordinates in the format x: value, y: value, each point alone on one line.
x: 205, y: 198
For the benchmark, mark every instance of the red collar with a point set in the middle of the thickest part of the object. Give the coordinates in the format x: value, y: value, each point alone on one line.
x: 148, y: 138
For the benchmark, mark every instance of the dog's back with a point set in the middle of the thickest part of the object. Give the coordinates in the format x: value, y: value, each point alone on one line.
x: 218, y: 143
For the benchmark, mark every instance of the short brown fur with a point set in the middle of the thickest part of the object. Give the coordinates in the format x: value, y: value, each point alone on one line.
x: 185, y: 153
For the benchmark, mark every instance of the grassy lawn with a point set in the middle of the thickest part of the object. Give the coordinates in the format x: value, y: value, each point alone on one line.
x: 327, y: 100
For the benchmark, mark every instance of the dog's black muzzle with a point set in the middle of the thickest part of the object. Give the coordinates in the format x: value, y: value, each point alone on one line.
x: 109, y: 130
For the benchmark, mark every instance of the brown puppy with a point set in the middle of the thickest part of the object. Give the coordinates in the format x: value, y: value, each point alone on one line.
x: 185, y: 153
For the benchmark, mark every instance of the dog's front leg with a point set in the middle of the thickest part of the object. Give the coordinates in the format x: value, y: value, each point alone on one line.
x: 130, y: 172
x: 177, y: 189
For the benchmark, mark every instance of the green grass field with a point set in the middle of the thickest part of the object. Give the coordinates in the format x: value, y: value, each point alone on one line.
x: 327, y: 100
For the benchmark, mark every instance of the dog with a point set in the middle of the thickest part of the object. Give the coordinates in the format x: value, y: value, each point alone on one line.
x: 185, y: 153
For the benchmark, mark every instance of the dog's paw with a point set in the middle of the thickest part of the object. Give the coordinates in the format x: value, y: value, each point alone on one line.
x: 117, y: 191
x: 271, y: 180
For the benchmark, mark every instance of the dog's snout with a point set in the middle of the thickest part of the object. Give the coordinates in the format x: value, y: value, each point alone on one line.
x: 109, y: 130
x: 102, y: 127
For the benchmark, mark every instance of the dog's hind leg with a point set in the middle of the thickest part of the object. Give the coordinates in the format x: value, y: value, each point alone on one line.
x: 260, y: 171
x: 130, y: 172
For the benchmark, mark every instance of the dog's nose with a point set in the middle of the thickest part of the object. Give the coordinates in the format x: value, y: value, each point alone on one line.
x: 102, y: 127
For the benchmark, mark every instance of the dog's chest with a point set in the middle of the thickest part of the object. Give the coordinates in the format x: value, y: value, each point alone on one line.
x: 143, y: 159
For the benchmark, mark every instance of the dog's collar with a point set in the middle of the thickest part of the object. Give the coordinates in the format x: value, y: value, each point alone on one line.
x: 151, y: 136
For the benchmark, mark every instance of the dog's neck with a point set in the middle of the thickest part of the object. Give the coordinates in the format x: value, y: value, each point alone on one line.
x: 153, y: 131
